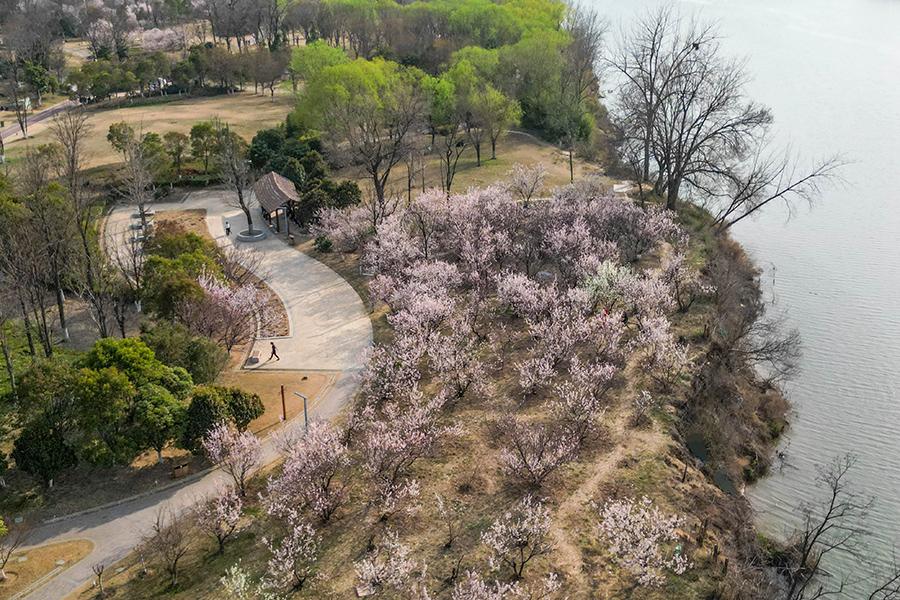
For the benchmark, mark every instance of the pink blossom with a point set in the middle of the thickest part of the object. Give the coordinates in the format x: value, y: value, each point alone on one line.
x: 531, y: 451
x: 519, y: 536
x: 636, y: 533
x: 308, y: 479
x: 293, y: 559
x: 228, y: 314
x: 219, y: 516
x: 237, y: 453
x: 388, y: 566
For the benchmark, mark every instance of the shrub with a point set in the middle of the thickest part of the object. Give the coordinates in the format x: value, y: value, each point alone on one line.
x: 323, y: 244
x: 175, y: 346
x: 243, y: 407
x: 42, y: 451
x: 206, y: 410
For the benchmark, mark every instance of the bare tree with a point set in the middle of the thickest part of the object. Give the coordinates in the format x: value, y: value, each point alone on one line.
x: 232, y: 162
x: 139, y: 188
x: 70, y: 129
x: 51, y: 222
x: 14, y: 89
x: 686, y: 105
x: 769, y: 177
x: 98, y: 571
x: 835, y: 526
x: 14, y: 539
x: 651, y: 57
x: 169, y: 540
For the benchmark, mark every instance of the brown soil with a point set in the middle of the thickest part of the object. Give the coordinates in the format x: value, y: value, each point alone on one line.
x: 40, y: 562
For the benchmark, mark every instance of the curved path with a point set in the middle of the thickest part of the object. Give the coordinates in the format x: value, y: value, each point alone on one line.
x: 329, y: 330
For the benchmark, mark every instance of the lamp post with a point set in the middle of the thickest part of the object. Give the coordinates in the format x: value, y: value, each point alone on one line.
x: 305, y: 416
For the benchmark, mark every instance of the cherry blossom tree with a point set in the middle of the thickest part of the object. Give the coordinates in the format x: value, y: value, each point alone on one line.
x: 169, y: 540
x: 231, y: 315
x: 308, y: 479
x: 393, y: 443
x: 519, y: 536
x: 392, y: 369
x: 239, y: 454
x: 473, y: 587
x: 580, y: 402
x: 345, y: 228
x: 393, y: 249
x: 455, y: 360
x: 427, y: 216
x: 424, y: 277
x: 219, y: 515
x: 531, y: 451
x: 388, y: 567
x: 685, y: 283
x: 660, y: 356
x: 637, y: 532
x: 523, y: 296
x: 293, y: 559
x: 164, y: 40
x: 525, y: 183
x: 450, y: 513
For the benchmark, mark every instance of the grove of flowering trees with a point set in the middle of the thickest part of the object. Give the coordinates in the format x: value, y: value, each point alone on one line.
x: 533, y: 310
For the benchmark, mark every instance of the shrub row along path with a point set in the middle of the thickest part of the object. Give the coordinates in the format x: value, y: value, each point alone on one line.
x: 329, y: 330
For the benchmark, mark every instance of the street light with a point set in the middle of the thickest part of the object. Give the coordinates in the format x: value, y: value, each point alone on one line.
x: 305, y: 416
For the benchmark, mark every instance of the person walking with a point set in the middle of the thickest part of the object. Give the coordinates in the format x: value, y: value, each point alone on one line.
x: 227, y: 228
x: 274, y: 353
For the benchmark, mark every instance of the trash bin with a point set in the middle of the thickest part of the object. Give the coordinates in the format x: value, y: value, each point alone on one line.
x: 291, y: 240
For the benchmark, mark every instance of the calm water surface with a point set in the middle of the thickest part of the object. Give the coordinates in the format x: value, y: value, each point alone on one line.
x: 830, y: 71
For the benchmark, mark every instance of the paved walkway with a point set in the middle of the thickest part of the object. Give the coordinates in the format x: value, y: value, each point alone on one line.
x: 14, y: 130
x: 329, y: 330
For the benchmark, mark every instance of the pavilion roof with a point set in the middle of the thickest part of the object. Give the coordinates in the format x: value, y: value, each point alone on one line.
x: 273, y: 191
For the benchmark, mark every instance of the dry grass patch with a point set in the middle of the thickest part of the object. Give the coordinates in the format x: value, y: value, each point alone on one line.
x: 40, y: 562
x: 267, y: 384
x: 246, y: 112
x: 512, y: 148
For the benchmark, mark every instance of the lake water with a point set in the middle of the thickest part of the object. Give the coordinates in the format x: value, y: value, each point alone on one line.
x: 830, y: 71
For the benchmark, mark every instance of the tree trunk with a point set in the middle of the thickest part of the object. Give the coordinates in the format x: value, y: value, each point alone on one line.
x: 493, y: 149
x: 478, y: 154
x: 27, y: 320
x: 571, y: 167
x: 8, y: 360
x: 159, y: 455
x: 249, y: 219
x: 672, y: 196
x: 60, y: 306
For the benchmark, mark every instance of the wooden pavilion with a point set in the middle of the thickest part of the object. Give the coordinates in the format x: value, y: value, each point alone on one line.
x: 276, y: 196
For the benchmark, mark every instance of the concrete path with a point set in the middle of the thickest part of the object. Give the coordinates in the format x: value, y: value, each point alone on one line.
x: 335, y: 330
x: 14, y: 130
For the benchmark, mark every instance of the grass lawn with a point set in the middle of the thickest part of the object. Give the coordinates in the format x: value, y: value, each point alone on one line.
x: 245, y: 111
